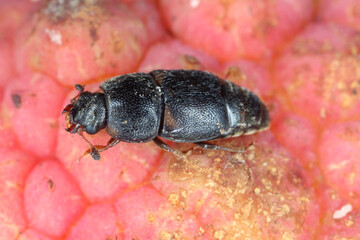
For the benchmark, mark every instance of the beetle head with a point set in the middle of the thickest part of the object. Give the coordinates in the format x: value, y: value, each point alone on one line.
x: 86, y: 111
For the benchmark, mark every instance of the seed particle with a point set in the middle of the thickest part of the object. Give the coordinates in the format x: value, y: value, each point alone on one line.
x: 51, y: 184
x: 16, y: 99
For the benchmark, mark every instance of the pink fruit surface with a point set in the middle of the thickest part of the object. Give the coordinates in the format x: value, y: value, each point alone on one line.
x: 31, y: 103
x: 230, y: 30
x: 75, y: 42
x: 318, y: 73
x: 298, y: 180
x: 52, y: 201
x: 16, y: 165
x: 346, y: 12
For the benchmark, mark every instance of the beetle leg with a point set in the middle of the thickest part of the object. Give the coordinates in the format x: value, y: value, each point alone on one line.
x: 209, y: 146
x: 166, y: 147
x: 232, y: 72
x: 112, y: 142
x: 67, y: 108
x: 73, y: 128
x: 93, y: 151
x: 192, y: 62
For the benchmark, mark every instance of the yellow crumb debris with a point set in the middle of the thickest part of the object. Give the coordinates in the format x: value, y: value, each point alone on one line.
x: 334, y: 196
x: 178, y: 218
x: 184, y: 194
x: 151, y: 217
x: 273, y: 171
x: 251, y: 155
x: 352, y: 177
x: 349, y: 223
x: 286, y: 209
x: 247, y: 209
x: 322, y: 112
x: 164, y: 235
x: 287, y: 236
x: 174, y: 199
x: 177, y: 236
x: 219, y: 234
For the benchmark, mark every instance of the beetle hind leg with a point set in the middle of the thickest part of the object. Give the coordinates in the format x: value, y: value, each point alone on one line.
x: 209, y: 146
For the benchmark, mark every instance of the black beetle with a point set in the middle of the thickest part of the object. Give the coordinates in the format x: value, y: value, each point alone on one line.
x: 178, y: 105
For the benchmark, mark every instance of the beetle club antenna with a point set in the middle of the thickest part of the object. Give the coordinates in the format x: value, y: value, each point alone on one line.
x: 73, y: 100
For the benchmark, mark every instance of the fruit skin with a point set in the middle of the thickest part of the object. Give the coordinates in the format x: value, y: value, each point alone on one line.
x: 341, y: 12
x: 31, y: 104
x: 52, y: 202
x: 230, y: 30
x: 77, y: 42
x: 291, y: 183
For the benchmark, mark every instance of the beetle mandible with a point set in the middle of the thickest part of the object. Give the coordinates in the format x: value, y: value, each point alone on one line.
x: 178, y: 105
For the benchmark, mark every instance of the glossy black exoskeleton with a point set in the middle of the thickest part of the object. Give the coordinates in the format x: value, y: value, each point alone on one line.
x: 178, y: 105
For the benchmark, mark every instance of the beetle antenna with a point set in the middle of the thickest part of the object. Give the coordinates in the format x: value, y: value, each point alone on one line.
x: 80, y: 89
x: 73, y: 100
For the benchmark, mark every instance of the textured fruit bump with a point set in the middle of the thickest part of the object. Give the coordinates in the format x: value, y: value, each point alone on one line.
x: 299, y: 180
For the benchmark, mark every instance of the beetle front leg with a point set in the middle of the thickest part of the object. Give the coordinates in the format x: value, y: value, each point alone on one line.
x: 94, y: 151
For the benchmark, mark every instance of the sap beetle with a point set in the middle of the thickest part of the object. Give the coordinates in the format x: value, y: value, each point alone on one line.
x: 178, y: 105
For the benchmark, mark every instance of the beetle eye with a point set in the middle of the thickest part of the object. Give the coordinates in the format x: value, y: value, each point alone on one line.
x: 91, y: 129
